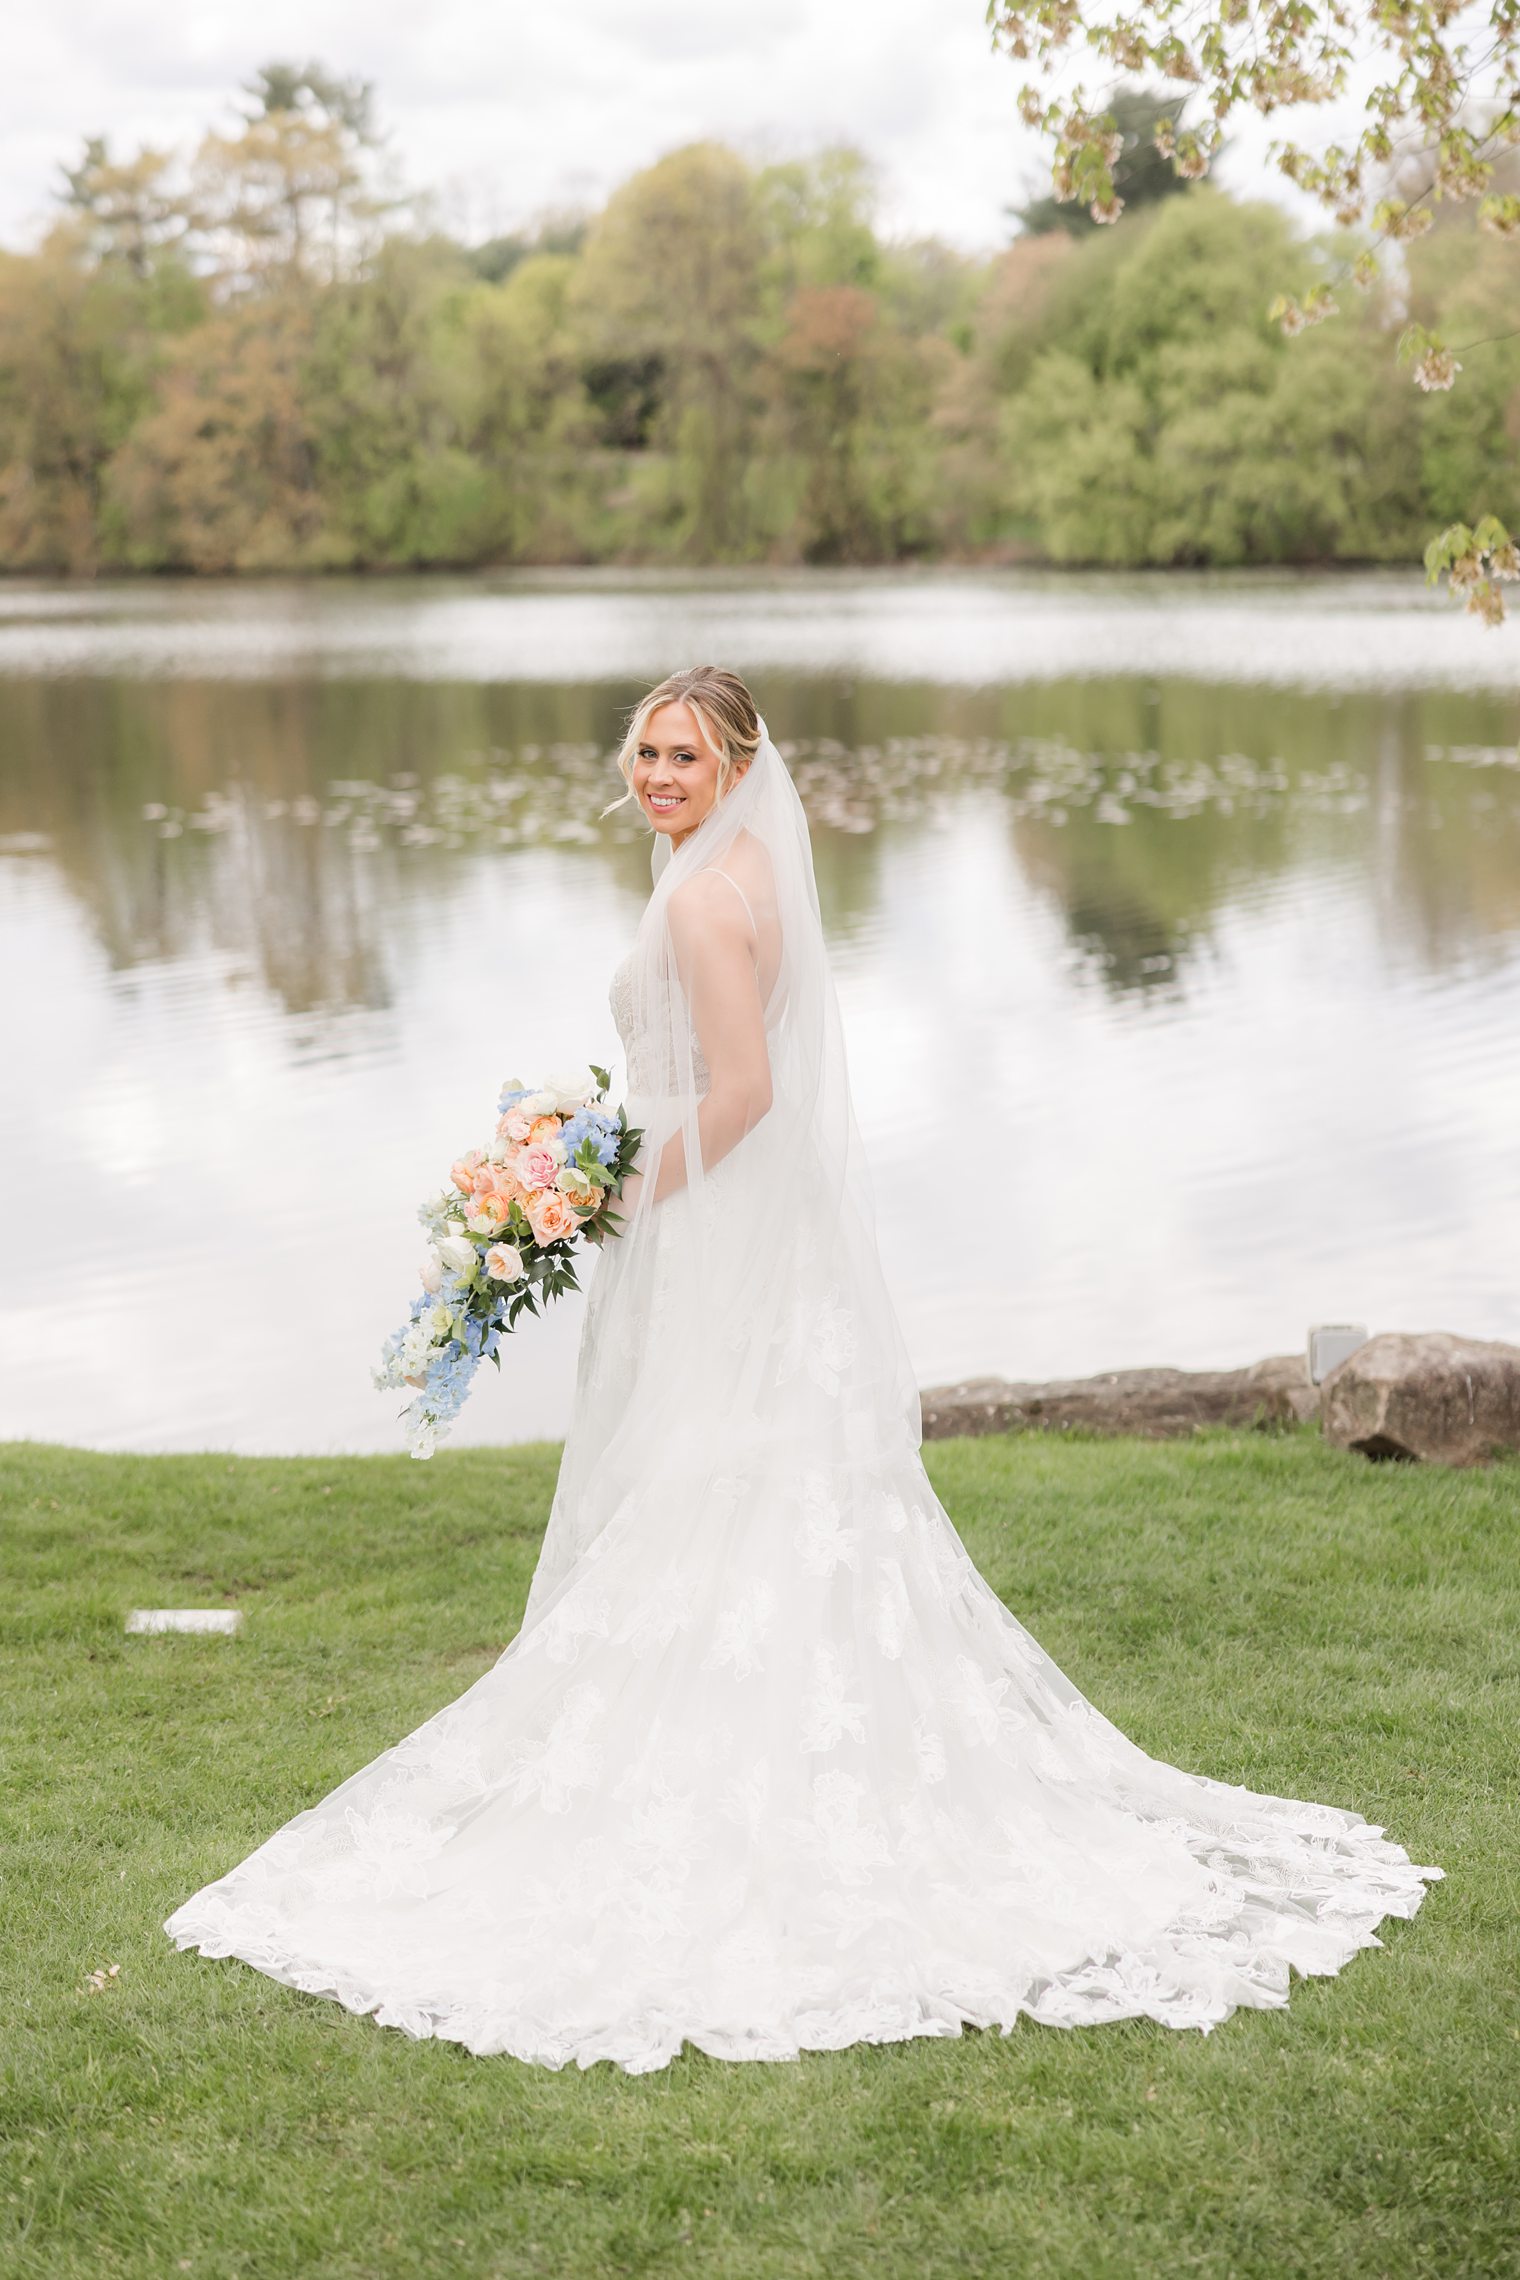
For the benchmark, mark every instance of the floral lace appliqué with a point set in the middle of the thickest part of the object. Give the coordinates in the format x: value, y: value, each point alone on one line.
x: 823, y: 1542
x: 829, y: 1711
x: 820, y: 1339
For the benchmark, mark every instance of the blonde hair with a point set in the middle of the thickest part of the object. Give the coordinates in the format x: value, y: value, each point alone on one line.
x: 726, y: 714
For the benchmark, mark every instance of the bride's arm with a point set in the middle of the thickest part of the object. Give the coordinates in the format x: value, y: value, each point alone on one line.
x: 715, y: 960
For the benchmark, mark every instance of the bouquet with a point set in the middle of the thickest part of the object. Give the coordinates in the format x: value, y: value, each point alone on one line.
x: 504, y: 1237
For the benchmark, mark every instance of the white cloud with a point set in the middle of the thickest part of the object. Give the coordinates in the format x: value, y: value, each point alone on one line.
x: 509, y: 111
x: 523, y: 110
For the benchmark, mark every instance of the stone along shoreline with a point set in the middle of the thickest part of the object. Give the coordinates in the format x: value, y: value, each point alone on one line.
x: 1403, y: 1394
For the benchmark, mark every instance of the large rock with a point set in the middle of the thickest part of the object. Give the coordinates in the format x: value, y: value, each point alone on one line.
x: 1159, y: 1404
x: 1428, y: 1393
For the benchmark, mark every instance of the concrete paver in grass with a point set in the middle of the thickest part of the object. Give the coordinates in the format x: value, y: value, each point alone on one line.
x: 227, y: 1620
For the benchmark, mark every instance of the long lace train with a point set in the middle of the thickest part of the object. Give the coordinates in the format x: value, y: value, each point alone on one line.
x: 800, y: 1781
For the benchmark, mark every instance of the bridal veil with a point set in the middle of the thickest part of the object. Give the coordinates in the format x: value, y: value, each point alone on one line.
x: 765, y: 1261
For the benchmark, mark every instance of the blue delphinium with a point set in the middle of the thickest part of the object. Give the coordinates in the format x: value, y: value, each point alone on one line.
x: 450, y: 1376
x: 446, y: 1363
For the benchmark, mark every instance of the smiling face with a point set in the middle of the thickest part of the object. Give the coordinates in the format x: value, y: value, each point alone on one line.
x: 675, y: 772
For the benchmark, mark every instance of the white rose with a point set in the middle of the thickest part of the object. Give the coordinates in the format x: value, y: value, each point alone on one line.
x: 504, y: 1263
x: 541, y: 1103
x: 457, y: 1252
x: 571, y: 1088
x: 432, y: 1273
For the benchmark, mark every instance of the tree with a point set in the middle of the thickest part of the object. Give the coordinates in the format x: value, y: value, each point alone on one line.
x: 850, y: 444
x: 290, y: 197
x: 531, y: 419
x: 1164, y: 419
x: 841, y: 471
x: 817, y: 216
x: 671, y: 274
x: 221, y: 475
x: 129, y: 210
x: 1141, y: 175
x: 727, y: 363
x: 81, y: 343
x: 1439, y: 61
x: 277, y: 89
x: 497, y: 257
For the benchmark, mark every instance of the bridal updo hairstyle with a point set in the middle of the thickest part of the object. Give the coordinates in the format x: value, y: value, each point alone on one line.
x: 727, y: 712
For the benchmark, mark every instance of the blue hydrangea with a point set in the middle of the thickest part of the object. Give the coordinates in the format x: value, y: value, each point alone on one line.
x: 596, y: 1125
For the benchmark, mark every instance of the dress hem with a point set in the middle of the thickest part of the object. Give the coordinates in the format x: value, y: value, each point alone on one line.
x: 1264, y: 1984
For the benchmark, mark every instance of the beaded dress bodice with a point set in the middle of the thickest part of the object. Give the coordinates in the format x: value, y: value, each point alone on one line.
x: 642, y: 1055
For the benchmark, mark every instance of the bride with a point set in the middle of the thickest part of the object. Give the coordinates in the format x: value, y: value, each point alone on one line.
x: 769, y: 1768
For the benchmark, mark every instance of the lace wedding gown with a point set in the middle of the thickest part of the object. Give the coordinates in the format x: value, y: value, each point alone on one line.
x: 769, y: 1767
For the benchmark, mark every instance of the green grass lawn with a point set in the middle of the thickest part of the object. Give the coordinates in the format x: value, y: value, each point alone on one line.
x: 1260, y: 1608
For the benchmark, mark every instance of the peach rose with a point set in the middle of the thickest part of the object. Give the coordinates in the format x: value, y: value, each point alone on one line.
x: 542, y: 1130
x: 504, y: 1263
x: 551, y: 1215
x: 463, y: 1173
x: 514, y: 1125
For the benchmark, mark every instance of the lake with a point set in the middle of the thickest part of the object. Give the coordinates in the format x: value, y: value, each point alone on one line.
x: 1187, y: 908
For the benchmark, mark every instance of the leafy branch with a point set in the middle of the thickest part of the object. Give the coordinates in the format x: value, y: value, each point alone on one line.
x: 1438, y: 59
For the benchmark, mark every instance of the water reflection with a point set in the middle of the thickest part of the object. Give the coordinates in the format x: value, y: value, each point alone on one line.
x: 234, y: 816
x: 1225, y: 972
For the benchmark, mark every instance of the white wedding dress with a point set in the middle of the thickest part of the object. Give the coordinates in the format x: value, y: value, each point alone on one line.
x: 769, y: 1768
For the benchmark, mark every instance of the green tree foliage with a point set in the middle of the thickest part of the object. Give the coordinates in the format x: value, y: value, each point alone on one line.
x: 1433, y: 79
x: 1161, y: 418
x: 253, y: 361
x: 83, y: 341
x: 666, y: 299
x: 856, y: 355
x: 1141, y: 175
x: 1466, y: 286
x: 220, y: 474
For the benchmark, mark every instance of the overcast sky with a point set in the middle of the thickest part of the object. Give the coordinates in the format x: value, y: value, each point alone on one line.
x: 507, y: 110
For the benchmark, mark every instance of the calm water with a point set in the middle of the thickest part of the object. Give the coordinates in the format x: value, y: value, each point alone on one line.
x: 1187, y: 911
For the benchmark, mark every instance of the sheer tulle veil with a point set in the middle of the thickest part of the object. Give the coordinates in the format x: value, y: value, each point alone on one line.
x: 769, y: 1253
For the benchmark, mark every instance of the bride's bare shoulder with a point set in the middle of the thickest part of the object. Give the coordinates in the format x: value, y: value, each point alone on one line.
x: 706, y: 902
x: 748, y: 864
x: 710, y: 893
